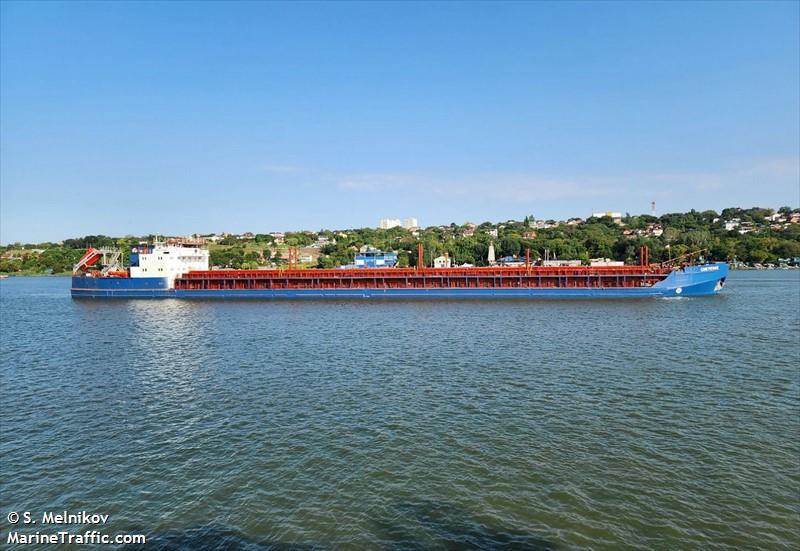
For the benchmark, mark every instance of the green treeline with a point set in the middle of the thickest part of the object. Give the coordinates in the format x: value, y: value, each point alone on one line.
x: 760, y: 236
x: 596, y: 238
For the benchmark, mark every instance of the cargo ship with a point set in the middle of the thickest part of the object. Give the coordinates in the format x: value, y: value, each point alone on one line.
x: 181, y: 270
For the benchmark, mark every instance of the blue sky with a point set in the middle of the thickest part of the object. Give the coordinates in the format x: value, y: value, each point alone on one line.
x: 131, y: 118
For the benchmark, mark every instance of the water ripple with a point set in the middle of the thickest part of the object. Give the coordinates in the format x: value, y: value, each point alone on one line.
x: 409, y: 425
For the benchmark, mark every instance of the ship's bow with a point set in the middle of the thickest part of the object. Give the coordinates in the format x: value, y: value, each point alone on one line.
x: 693, y: 281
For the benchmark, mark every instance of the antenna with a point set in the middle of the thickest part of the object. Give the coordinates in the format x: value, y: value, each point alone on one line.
x: 653, y: 208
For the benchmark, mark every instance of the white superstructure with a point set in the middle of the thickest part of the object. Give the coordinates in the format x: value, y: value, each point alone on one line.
x: 168, y: 261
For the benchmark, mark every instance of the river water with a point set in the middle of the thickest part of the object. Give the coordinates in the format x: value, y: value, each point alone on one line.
x: 658, y: 423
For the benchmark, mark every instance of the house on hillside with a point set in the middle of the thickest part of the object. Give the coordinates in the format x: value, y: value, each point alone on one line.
x: 442, y: 261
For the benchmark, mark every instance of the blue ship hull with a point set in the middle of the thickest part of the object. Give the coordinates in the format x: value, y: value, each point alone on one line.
x: 691, y: 281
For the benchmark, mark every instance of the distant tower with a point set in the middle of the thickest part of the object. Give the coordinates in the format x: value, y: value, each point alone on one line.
x: 491, y: 253
x: 653, y: 208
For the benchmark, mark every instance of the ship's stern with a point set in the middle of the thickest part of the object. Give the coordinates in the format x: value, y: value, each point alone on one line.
x: 119, y: 287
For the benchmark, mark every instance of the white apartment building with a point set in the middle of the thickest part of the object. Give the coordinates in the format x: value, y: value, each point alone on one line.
x: 408, y: 223
x: 388, y: 223
x: 615, y: 216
